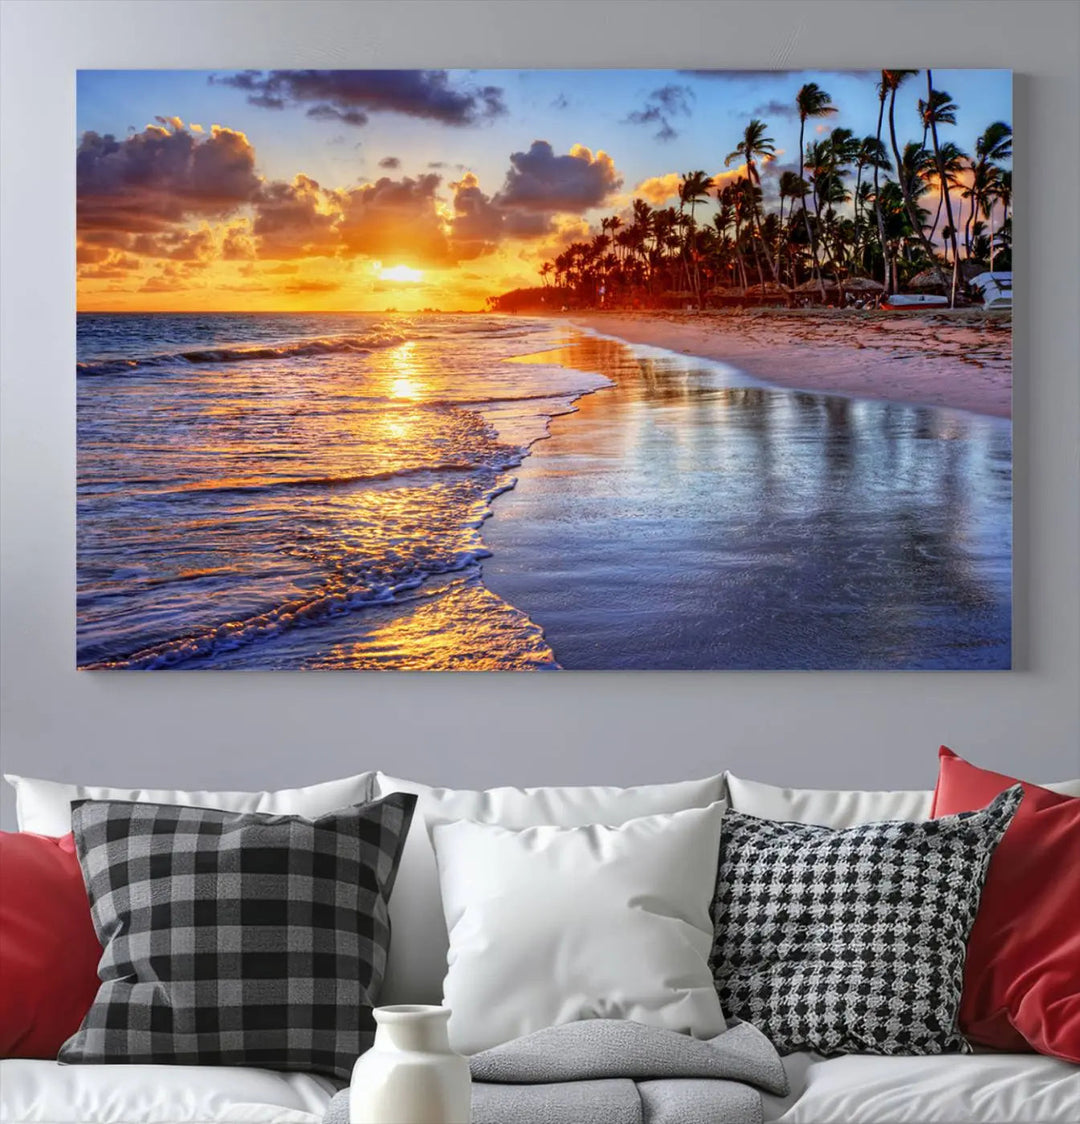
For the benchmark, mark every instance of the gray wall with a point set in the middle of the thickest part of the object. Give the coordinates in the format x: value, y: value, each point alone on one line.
x: 253, y: 729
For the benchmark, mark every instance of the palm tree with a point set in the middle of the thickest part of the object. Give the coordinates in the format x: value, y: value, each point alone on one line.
x: 940, y: 109
x: 988, y: 201
x: 611, y: 225
x: 1004, y: 195
x: 693, y: 189
x: 882, y: 91
x: 871, y: 154
x: 724, y: 247
x: 832, y: 194
x: 545, y: 271
x: 664, y: 229
x: 844, y: 149
x: 916, y: 167
x: 993, y: 146
x: 893, y: 80
x: 983, y: 179
x: 811, y: 101
x: 747, y: 201
x: 790, y: 187
x: 955, y: 162
x: 642, y: 214
x: 818, y: 162
x: 728, y: 196
x: 897, y: 227
x: 1005, y: 192
x: 753, y: 145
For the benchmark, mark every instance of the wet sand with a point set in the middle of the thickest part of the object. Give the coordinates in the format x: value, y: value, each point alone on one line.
x: 690, y: 517
x: 961, y: 359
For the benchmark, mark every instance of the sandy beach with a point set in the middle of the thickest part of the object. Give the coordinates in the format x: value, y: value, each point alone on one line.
x: 960, y: 359
x: 688, y: 516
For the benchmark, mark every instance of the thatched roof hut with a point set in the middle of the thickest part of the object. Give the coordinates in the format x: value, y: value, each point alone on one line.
x: 933, y: 278
x: 939, y: 277
x: 768, y: 293
x: 812, y: 286
x: 725, y: 294
x: 863, y: 285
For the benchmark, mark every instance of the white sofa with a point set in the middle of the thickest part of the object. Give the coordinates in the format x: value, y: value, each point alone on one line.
x: 980, y: 1088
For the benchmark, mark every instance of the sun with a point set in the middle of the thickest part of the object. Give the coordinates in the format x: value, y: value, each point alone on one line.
x: 400, y: 273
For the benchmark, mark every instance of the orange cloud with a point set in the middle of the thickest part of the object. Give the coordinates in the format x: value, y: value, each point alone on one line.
x: 238, y: 244
x: 659, y: 190
x: 176, y: 245
x: 297, y: 220
x: 565, y: 229
x: 175, y: 216
x: 396, y: 219
x: 311, y: 285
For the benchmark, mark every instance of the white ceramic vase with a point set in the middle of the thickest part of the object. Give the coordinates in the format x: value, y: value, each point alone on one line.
x: 410, y: 1075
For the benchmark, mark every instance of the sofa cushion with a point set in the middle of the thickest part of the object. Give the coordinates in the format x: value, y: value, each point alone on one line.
x: 236, y: 939
x: 44, y: 807
x: 418, y: 950
x: 836, y: 808
x: 43, y: 1092
x: 49, y: 952
x: 953, y: 1089
x: 1022, y: 977
x: 851, y: 941
x: 552, y: 925
x: 973, y: 1089
x: 839, y: 807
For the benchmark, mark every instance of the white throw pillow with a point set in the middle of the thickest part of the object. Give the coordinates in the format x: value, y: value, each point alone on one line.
x: 839, y: 808
x: 44, y: 807
x: 551, y: 925
x: 419, y: 942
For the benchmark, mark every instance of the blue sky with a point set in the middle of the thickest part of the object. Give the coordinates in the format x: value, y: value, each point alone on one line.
x: 589, y: 107
x: 309, y: 188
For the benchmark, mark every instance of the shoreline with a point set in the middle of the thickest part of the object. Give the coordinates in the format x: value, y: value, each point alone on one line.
x: 958, y: 360
x: 688, y: 519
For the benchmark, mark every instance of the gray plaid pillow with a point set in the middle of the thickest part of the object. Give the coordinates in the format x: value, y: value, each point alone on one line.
x: 237, y: 938
x: 851, y: 941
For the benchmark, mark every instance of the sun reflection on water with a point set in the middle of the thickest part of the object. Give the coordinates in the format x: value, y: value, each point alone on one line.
x: 405, y: 380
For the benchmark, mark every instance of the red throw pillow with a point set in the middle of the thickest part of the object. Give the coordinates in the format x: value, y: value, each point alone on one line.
x: 1022, y: 976
x: 49, y: 952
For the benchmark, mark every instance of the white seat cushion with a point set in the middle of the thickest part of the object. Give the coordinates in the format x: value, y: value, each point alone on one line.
x: 951, y: 1089
x: 418, y: 946
x: 43, y: 1092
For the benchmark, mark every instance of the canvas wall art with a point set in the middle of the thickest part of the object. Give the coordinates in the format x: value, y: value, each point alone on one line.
x: 541, y: 369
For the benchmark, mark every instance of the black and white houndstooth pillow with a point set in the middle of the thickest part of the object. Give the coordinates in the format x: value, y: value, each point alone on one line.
x: 851, y: 941
x: 237, y: 938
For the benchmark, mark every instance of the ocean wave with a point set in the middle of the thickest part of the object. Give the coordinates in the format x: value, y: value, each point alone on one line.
x: 448, y: 468
x: 331, y: 345
x: 293, y: 614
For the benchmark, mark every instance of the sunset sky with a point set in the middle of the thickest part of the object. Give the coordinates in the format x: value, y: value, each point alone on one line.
x: 338, y: 190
